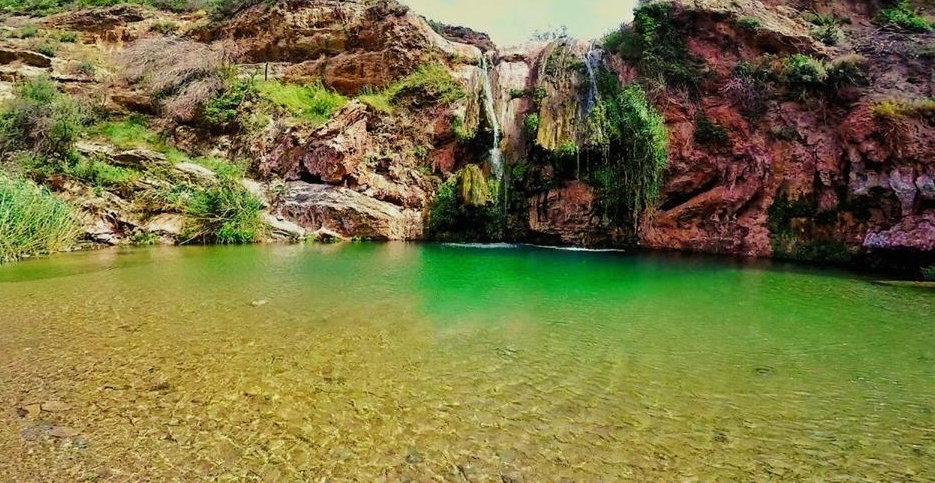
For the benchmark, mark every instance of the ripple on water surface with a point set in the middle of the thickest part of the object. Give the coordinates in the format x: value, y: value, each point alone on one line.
x: 428, y: 363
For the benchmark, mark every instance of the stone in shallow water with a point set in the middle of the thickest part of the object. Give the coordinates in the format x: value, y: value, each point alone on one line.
x: 62, y: 432
x: 55, y: 406
x: 764, y: 370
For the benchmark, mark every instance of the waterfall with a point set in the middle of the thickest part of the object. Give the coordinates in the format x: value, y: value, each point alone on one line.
x: 592, y: 60
x: 496, y: 156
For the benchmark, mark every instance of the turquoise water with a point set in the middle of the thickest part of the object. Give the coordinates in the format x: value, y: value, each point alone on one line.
x: 396, y: 362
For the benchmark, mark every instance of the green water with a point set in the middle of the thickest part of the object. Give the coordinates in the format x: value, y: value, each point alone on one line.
x: 396, y: 362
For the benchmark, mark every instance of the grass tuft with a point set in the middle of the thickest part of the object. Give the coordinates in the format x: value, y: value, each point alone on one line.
x: 33, y: 221
x: 310, y: 103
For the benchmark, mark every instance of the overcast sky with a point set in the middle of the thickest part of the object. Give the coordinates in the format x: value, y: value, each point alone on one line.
x: 511, y: 22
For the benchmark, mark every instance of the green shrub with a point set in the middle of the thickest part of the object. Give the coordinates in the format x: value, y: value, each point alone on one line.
x: 847, y: 70
x: 613, y: 40
x: 904, y: 17
x: 102, y: 175
x: 224, y: 110
x: 659, y: 47
x: 466, y: 205
x: 749, y: 23
x: 86, y: 68
x: 130, y: 133
x: 224, y: 213
x: 378, y: 101
x: 41, y: 119
x: 218, y: 9
x: 462, y: 133
x: 164, y: 27
x: 27, y: 32
x: 802, y: 74
x: 531, y: 124
x: 46, y: 49
x: 826, y: 28
x: 311, y: 103
x: 708, y: 133
x: 68, y: 37
x: 33, y: 221
x: 428, y: 83
x: 566, y: 150
x: 894, y: 109
x: 143, y: 239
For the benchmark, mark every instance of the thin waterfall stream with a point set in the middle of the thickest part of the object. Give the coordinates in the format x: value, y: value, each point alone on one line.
x: 496, y: 156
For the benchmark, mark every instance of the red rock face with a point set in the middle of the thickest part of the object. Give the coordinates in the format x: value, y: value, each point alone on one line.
x: 869, y: 181
x: 566, y: 216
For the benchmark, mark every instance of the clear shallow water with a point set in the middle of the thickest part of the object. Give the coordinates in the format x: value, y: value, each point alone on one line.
x: 398, y: 362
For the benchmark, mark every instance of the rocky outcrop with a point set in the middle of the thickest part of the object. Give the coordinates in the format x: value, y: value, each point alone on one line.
x: 27, y: 57
x: 465, y: 35
x: 348, y: 45
x: 348, y: 213
x: 566, y: 216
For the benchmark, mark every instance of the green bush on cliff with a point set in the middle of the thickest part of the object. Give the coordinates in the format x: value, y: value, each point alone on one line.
x: 466, y: 205
x: 632, y: 136
x: 41, y: 119
x: 902, y: 16
x: 658, y: 46
x: 429, y: 83
x: 309, y: 103
x: 531, y: 124
x: 224, y: 213
x: 826, y: 29
x: 802, y: 74
x: 103, y: 175
x: 32, y: 220
x: 224, y: 110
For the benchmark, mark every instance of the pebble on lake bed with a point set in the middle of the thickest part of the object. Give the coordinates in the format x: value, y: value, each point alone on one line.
x: 55, y: 406
x: 259, y: 303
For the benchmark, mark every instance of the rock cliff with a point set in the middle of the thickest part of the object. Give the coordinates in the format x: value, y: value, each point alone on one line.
x: 801, y: 131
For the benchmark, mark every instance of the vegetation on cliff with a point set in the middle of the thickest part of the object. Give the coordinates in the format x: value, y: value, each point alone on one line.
x: 657, y: 46
x: 631, y: 135
x: 466, y: 205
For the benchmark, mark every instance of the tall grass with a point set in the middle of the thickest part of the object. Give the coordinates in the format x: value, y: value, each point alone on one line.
x: 310, y: 103
x: 32, y: 221
x: 224, y: 213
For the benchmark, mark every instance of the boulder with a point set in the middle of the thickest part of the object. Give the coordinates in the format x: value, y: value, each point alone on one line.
x: 139, y: 158
x: 284, y: 230
x: 348, y: 213
x: 195, y: 172
x: 28, y: 57
x: 912, y: 233
x: 166, y: 224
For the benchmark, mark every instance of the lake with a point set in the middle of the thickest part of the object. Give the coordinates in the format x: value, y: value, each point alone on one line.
x: 404, y: 362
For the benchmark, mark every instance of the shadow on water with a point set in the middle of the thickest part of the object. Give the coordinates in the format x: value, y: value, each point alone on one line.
x: 72, y: 264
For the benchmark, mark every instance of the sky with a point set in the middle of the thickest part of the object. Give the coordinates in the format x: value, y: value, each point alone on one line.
x: 512, y: 22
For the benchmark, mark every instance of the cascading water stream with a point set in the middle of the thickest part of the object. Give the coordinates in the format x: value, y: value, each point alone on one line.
x: 592, y: 60
x: 496, y: 156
